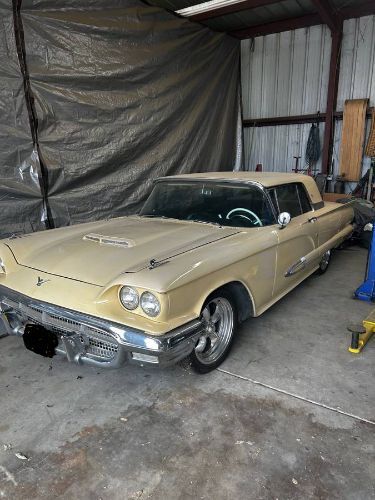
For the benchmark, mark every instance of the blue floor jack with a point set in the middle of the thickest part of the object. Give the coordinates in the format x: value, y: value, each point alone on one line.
x: 362, y: 334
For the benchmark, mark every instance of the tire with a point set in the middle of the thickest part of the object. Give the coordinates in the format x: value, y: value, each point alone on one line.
x: 220, y: 315
x: 324, y: 263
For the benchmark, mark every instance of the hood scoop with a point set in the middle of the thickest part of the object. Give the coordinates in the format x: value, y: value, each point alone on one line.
x: 109, y: 240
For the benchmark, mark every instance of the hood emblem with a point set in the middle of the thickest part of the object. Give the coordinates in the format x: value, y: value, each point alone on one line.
x: 41, y: 281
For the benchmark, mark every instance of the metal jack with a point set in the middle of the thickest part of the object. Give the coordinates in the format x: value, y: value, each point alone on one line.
x: 362, y: 334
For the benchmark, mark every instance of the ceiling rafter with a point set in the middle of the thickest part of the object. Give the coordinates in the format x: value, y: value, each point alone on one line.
x: 291, y: 23
x: 365, y: 9
x: 361, y: 10
x: 327, y: 15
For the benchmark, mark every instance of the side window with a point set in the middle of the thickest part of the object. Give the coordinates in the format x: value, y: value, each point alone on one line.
x: 288, y: 200
x: 305, y: 204
x: 272, y: 193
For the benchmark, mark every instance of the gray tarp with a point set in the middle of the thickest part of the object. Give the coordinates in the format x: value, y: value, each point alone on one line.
x: 123, y: 93
x: 20, y: 194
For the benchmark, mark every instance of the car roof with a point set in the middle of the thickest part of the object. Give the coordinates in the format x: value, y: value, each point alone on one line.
x: 266, y: 179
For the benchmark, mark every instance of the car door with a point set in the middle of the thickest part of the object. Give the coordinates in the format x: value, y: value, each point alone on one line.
x: 297, y: 239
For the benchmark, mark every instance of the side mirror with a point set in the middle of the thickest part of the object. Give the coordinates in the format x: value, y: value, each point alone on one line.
x: 284, y: 219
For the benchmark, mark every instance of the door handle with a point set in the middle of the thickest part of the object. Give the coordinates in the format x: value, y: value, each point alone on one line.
x: 313, y: 219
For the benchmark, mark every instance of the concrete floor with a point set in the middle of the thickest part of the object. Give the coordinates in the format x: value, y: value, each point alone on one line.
x: 140, y: 433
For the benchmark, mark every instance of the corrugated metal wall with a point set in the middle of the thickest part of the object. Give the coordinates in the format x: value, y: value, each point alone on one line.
x: 287, y: 74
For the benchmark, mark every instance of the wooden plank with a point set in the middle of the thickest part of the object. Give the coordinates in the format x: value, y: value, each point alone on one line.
x: 352, y: 141
x: 334, y: 196
x: 370, y: 148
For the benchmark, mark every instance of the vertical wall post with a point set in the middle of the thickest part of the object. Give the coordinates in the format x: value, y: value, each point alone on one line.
x: 334, y: 72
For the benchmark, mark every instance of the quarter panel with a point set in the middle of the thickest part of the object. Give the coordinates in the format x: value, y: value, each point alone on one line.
x: 332, y: 218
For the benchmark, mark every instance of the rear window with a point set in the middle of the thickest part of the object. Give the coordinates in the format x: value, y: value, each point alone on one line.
x: 291, y: 198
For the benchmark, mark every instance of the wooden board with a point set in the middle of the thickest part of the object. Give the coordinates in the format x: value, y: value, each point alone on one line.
x: 334, y: 196
x: 370, y: 148
x: 352, y: 141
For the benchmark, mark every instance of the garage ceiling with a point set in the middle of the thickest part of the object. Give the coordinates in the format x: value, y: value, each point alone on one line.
x: 250, y: 18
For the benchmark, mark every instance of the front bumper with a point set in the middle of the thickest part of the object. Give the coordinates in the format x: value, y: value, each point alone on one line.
x: 93, y: 341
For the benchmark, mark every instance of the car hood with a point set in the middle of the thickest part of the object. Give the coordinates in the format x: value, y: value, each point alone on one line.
x: 98, y: 252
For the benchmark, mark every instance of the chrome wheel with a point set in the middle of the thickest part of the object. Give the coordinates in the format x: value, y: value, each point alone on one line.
x: 325, y: 261
x: 218, y: 318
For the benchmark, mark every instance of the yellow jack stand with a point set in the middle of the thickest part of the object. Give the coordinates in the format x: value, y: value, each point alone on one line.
x: 362, y: 334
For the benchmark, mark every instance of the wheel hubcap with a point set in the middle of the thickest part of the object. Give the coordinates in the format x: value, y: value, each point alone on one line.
x: 218, y: 321
x: 325, y: 260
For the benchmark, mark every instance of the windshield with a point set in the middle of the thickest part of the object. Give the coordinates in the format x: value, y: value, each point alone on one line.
x: 210, y: 202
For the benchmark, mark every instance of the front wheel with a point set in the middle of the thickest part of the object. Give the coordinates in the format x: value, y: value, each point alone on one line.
x: 219, y: 317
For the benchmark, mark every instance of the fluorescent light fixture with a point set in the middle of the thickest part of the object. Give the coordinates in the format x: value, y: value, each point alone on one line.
x: 206, y: 7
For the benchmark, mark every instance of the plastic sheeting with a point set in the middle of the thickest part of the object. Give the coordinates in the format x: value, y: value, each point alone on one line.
x: 21, y: 203
x: 123, y: 93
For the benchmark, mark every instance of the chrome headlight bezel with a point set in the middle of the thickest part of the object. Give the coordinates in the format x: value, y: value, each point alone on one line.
x: 128, y: 305
x: 150, y: 304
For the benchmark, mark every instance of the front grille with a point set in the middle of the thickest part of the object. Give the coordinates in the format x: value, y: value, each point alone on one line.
x: 100, y: 346
x: 97, y: 343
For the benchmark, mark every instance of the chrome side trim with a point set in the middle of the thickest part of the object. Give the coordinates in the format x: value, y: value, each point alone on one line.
x: 295, y: 268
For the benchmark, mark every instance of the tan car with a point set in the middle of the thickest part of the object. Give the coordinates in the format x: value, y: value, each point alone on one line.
x: 206, y: 252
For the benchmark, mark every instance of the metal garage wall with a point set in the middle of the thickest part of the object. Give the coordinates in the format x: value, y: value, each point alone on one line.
x: 357, y: 72
x: 287, y: 74
x: 21, y: 205
x: 124, y: 93
x: 283, y: 75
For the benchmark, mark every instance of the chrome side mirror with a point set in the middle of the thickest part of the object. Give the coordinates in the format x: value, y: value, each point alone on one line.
x: 284, y: 219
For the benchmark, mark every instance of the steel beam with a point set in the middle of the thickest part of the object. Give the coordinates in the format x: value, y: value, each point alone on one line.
x: 327, y: 14
x: 361, y: 10
x: 334, y: 71
x: 283, y: 120
x: 294, y: 120
x: 292, y: 23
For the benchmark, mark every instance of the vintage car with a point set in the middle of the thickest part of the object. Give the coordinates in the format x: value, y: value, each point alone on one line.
x: 206, y: 252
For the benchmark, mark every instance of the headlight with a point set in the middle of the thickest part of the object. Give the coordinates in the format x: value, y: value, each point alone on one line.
x: 129, y: 298
x: 150, y: 304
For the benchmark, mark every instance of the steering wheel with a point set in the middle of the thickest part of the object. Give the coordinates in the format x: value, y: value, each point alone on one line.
x: 254, y: 219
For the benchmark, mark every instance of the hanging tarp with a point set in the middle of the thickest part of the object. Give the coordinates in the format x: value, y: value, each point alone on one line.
x: 21, y: 205
x: 123, y: 93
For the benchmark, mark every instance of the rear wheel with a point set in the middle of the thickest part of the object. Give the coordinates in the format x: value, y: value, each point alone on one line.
x: 219, y: 316
x: 324, y: 263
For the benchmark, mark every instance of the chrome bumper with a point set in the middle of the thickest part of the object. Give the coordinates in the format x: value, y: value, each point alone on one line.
x: 92, y: 341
